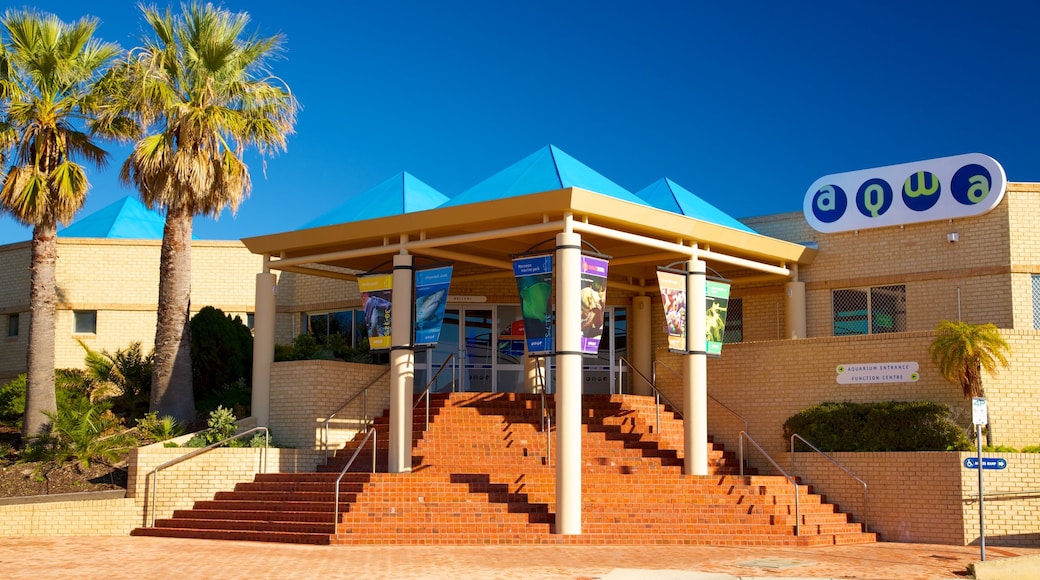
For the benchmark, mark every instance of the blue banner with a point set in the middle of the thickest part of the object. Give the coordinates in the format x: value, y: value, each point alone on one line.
x: 534, y: 282
x: 431, y: 297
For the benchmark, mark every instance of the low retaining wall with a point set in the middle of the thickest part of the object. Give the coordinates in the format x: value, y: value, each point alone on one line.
x: 930, y: 497
x: 72, y: 514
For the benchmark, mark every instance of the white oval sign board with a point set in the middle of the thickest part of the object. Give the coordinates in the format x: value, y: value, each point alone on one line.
x: 937, y: 189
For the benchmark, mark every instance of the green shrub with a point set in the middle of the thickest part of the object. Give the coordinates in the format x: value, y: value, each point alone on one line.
x: 1031, y: 449
x: 221, y: 351
x: 999, y: 449
x: 12, y: 402
x: 327, y: 347
x: 885, y: 426
x: 81, y: 430
x: 159, y: 428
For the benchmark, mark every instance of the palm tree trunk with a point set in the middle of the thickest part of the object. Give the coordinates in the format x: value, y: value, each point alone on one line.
x: 171, y: 376
x: 39, y: 393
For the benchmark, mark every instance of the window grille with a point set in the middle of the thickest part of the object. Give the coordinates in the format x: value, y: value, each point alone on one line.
x: 734, y: 321
x: 1036, y: 301
x: 876, y: 310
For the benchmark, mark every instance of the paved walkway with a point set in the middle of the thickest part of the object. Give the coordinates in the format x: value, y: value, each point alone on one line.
x: 143, y: 557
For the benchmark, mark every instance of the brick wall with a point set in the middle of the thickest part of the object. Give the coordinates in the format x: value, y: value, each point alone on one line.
x: 927, y: 497
x: 305, y: 393
x: 198, y: 478
x: 101, y: 517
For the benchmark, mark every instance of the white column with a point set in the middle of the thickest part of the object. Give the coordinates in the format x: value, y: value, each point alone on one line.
x: 263, y: 347
x: 639, y: 344
x: 695, y: 375
x: 568, y: 383
x: 402, y: 366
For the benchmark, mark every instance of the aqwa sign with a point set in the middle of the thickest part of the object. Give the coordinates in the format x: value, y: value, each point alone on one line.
x: 937, y: 189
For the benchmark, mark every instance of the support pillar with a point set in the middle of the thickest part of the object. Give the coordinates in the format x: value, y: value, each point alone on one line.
x: 639, y: 345
x: 402, y: 366
x: 568, y: 383
x: 794, y: 310
x: 695, y: 375
x: 263, y: 347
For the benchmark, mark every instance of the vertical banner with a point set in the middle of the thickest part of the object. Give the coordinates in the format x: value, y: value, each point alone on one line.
x: 593, y: 300
x: 375, y: 300
x: 431, y: 296
x: 716, y: 296
x: 673, y: 296
x: 534, y: 282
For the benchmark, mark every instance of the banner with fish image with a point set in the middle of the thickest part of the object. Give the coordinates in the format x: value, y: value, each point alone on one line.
x: 593, y: 301
x: 716, y: 294
x: 431, y: 297
x: 673, y: 296
x: 375, y: 300
x: 534, y: 282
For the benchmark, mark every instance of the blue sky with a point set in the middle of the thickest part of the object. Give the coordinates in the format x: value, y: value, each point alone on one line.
x: 744, y: 103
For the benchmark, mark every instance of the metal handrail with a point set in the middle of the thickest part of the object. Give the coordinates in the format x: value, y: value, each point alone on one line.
x: 325, y: 426
x: 747, y: 425
x: 866, y: 510
x: 989, y: 494
x: 797, y: 510
x: 426, y: 392
x: 658, y: 395
x: 335, y: 511
x: 154, y: 474
x: 546, y: 416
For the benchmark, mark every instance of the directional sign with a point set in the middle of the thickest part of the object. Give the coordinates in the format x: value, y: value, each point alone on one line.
x: 987, y: 462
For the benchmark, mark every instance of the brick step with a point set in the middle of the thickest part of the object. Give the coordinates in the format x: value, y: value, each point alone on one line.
x: 305, y: 497
x: 726, y: 538
x: 256, y: 515
x: 325, y: 528
x: 241, y: 535
x: 252, y: 506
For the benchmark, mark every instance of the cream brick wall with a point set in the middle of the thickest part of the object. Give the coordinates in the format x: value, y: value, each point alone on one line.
x: 927, y: 497
x: 767, y: 382
x: 305, y: 393
x: 120, y: 280
x: 103, y: 517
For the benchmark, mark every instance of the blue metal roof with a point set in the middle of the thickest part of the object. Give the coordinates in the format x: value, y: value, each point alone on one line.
x: 127, y: 218
x: 667, y: 195
x: 402, y: 193
x: 547, y: 169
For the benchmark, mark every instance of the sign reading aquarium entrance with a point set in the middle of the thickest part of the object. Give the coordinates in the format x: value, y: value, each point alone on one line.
x: 937, y: 189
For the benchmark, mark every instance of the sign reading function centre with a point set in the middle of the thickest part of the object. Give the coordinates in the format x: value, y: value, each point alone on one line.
x: 937, y: 189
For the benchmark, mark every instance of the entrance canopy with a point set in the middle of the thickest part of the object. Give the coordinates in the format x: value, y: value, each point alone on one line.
x: 481, y: 237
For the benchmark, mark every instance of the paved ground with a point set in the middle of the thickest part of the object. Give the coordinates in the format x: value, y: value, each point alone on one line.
x: 143, y: 557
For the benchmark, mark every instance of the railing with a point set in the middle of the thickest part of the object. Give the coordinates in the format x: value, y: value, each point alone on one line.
x: 747, y: 425
x: 363, y: 392
x: 797, y: 510
x: 546, y: 415
x: 658, y: 395
x: 1009, y: 494
x: 335, y: 511
x: 154, y: 474
x: 866, y: 511
x: 426, y: 392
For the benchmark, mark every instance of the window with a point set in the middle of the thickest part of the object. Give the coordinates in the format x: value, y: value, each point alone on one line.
x: 1036, y: 301
x: 12, y: 325
x: 84, y: 321
x: 349, y: 323
x: 250, y: 320
x: 869, y: 310
x: 734, y: 321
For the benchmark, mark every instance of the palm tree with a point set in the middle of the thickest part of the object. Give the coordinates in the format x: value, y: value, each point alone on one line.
x: 962, y: 351
x: 48, y: 77
x: 202, y: 94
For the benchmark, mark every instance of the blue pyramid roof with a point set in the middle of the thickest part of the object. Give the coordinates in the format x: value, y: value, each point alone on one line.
x: 127, y: 218
x: 402, y: 193
x: 667, y: 195
x: 547, y: 169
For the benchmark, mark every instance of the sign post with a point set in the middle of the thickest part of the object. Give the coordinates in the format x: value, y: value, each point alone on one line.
x: 979, y: 416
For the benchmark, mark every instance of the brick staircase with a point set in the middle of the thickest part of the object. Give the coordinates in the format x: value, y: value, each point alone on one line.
x: 481, y: 476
